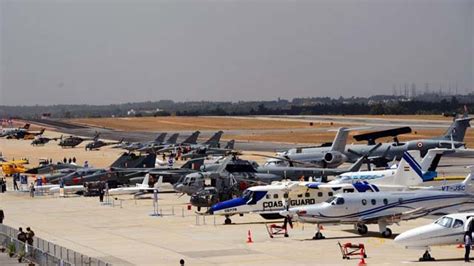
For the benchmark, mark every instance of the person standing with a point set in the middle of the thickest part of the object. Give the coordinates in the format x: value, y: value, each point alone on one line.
x: 2, y: 216
x: 29, y: 236
x: 467, y: 245
x: 21, y: 236
x: 15, y: 179
x: 101, y: 192
x: 32, y: 189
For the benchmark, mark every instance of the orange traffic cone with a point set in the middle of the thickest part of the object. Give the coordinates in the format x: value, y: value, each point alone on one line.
x: 362, y: 262
x: 321, y: 227
x: 249, y: 237
x: 460, y: 246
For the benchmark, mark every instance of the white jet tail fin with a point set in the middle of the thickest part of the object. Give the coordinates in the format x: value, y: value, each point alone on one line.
x: 408, y: 171
x: 159, y: 183
x: 467, y: 183
x: 145, y: 181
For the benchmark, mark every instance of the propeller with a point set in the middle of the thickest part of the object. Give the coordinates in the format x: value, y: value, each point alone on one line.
x: 367, y: 155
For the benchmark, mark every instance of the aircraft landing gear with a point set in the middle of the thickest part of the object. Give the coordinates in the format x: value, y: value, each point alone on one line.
x: 386, y: 232
x: 318, y: 234
x: 227, y: 220
x: 362, y: 229
x: 427, y: 256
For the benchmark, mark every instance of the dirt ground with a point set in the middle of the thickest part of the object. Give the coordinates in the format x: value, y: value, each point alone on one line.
x: 187, y: 123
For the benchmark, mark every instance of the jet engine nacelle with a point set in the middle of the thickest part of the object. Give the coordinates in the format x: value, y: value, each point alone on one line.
x: 334, y: 158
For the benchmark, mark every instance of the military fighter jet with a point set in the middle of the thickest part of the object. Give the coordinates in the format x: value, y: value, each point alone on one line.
x: 209, y: 151
x: 170, y: 145
x: 160, y: 139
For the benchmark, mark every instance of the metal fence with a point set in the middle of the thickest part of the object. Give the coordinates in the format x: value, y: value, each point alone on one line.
x: 44, y: 252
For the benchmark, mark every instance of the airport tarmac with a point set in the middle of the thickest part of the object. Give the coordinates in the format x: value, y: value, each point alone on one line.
x: 128, y: 235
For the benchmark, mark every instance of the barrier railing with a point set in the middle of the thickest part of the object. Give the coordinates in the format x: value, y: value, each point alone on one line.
x: 44, y: 252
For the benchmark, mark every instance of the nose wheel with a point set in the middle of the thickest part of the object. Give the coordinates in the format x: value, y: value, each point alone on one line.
x: 426, y: 257
x: 318, y: 234
x: 227, y: 220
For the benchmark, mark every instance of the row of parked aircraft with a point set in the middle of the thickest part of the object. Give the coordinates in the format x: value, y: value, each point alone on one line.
x: 285, y: 186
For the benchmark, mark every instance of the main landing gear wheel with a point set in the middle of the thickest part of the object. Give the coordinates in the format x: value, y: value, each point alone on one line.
x: 318, y: 235
x: 227, y: 220
x: 387, y: 233
x: 362, y: 229
x: 426, y: 257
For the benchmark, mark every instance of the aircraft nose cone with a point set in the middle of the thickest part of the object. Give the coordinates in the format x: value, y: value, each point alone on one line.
x: 408, y: 238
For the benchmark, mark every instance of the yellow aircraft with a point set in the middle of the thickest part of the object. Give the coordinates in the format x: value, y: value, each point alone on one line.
x: 12, y: 167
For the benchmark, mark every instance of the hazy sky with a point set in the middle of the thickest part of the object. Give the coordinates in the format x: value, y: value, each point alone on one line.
x: 76, y: 51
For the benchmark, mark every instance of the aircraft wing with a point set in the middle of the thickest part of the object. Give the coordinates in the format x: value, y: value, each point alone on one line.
x: 302, y: 187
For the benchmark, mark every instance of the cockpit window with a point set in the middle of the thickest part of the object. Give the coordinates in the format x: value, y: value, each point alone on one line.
x: 340, y: 201
x: 330, y: 199
x: 457, y: 223
x: 247, y: 195
x: 445, y: 221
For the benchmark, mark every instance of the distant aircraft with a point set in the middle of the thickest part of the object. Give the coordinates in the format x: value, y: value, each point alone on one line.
x: 5, y: 132
x: 191, y: 145
x: 96, y: 143
x: 72, y: 141
x: 147, y: 186
x: 447, y: 230
x: 159, y: 140
x: 328, y: 156
x: 26, y: 134
x: 170, y: 144
x: 42, y: 140
x: 385, y: 208
x: 13, y: 167
x: 209, y: 151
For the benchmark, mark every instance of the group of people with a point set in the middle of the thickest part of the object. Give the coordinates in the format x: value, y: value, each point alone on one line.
x: 70, y: 160
x: 26, y: 237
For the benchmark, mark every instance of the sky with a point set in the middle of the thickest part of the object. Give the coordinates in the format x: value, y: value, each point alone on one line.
x: 104, y: 51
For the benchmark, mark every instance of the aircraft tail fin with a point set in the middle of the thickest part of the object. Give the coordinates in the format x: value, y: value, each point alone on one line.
x: 409, y: 171
x: 96, y: 136
x: 160, y: 138
x: 457, y: 130
x: 173, y: 138
x: 194, y: 164
x: 339, y: 143
x: 230, y: 145
x: 214, y: 140
x: 192, y: 139
x: 146, y: 180
x: 41, y: 131
x: 159, y: 183
x: 430, y: 162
